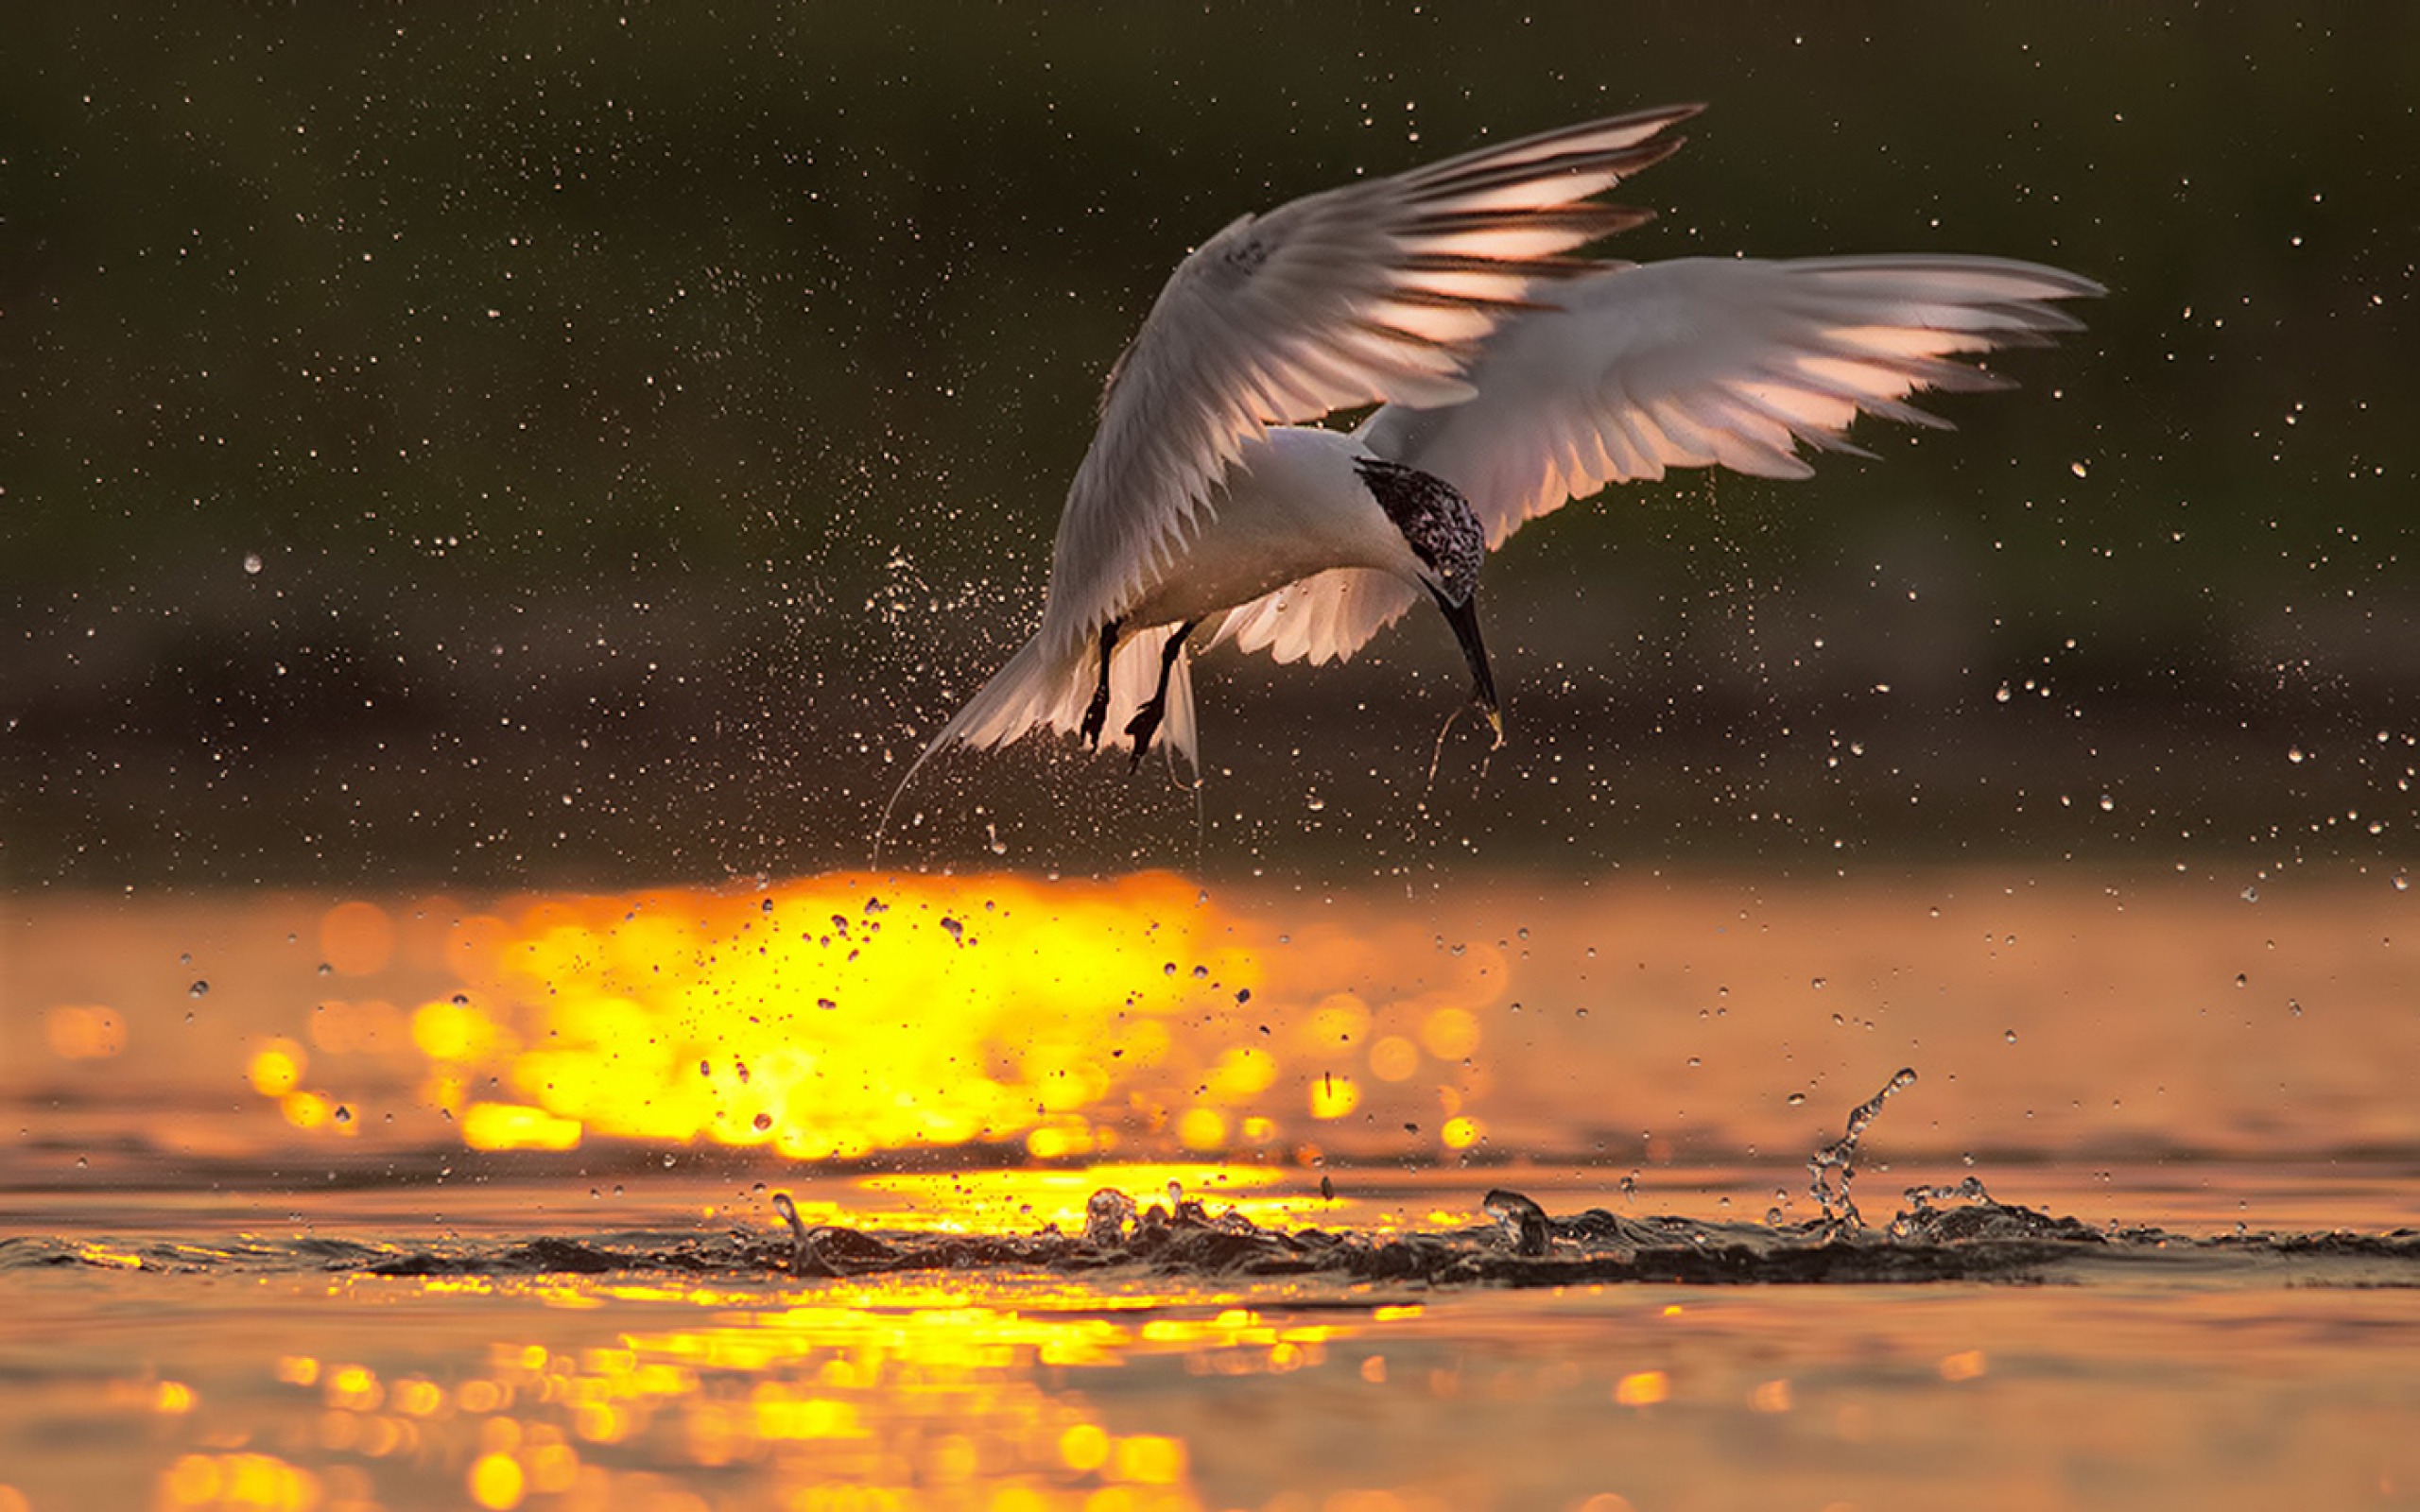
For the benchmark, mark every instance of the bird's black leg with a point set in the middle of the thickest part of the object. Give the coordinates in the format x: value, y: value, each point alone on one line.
x: 1146, y: 719
x: 1097, y: 712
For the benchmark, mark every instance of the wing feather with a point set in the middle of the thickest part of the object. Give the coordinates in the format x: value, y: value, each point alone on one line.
x: 1376, y: 292
x: 1704, y: 361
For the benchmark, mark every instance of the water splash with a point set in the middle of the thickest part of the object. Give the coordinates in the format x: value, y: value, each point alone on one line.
x: 1832, y: 1168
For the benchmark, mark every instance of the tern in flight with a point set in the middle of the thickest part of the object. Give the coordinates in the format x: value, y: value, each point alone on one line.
x: 1510, y: 374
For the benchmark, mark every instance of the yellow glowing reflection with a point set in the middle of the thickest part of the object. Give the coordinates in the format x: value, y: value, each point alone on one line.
x: 841, y: 1016
x: 902, y: 1393
x: 516, y: 1127
x: 1334, y: 1097
x: 1643, y: 1389
x: 256, y: 1483
x: 277, y: 1067
x: 1025, y: 1199
x: 497, y: 1482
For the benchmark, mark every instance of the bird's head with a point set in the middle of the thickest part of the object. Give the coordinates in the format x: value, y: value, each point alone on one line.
x: 1448, y: 545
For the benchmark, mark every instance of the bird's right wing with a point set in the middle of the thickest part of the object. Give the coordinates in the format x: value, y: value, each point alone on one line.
x: 1701, y: 361
x: 1374, y: 292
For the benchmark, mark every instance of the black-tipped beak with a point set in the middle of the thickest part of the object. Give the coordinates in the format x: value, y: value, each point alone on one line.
x: 1463, y: 617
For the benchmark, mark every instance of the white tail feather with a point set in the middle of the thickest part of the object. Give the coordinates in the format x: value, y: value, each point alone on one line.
x: 1042, y: 687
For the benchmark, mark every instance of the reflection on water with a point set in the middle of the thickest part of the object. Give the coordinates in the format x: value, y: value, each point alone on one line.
x: 375, y: 1203
x: 1636, y: 1021
x: 843, y: 1016
x: 698, y: 1373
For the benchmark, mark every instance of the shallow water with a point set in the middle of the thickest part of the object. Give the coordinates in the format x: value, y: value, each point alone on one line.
x: 342, y: 1354
x: 2200, y: 1291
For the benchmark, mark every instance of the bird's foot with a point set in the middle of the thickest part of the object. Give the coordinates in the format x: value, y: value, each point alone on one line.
x: 1145, y: 724
x: 1096, y: 712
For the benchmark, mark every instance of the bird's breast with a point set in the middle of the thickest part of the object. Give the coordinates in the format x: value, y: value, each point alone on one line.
x: 1291, y: 508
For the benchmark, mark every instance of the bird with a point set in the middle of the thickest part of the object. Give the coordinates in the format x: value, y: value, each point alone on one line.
x: 1510, y: 375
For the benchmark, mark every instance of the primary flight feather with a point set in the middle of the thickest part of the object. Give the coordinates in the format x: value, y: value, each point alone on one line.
x: 1512, y: 376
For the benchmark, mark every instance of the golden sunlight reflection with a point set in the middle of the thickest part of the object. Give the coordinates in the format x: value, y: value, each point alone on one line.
x: 841, y: 1016
x: 992, y: 1201
x: 877, y: 1396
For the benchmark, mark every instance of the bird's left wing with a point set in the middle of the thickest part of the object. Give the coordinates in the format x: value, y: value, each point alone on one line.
x: 1374, y: 292
x: 1690, y: 363
x: 1704, y: 361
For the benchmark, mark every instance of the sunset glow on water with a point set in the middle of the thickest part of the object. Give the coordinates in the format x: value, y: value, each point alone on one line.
x: 565, y: 1118
x: 839, y: 1017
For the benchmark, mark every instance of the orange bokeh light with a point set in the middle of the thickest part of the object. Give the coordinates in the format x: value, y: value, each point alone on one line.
x: 357, y: 938
x: 80, y: 1031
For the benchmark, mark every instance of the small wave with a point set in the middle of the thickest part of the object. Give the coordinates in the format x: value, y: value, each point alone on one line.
x: 1513, y: 1241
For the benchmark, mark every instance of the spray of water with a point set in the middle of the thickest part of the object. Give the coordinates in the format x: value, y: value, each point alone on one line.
x: 1833, y: 1167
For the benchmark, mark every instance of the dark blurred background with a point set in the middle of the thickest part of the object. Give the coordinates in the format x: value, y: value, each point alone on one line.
x: 592, y: 444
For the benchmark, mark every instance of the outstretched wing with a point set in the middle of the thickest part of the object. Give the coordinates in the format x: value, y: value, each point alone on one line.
x: 1701, y: 361
x: 1372, y: 292
x: 1688, y: 363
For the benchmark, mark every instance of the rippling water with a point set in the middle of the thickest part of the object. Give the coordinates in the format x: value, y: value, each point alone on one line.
x: 2140, y: 1231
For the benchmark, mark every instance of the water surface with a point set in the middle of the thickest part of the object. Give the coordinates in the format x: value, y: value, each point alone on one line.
x: 325, y: 1202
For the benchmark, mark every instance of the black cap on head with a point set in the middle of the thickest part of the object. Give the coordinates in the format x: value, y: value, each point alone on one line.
x: 1436, y: 521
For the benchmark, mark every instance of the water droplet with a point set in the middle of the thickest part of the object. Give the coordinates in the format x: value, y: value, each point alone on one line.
x: 2240, y: 979
x: 252, y: 563
x: 1797, y: 1099
x: 200, y: 989
x: 343, y: 1114
x: 2010, y: 1037
x: 670, y: 1159
x: 2402, y: 882
x: 763, y: 1122
x: 2252, y: 893
x: 1817, y: 984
